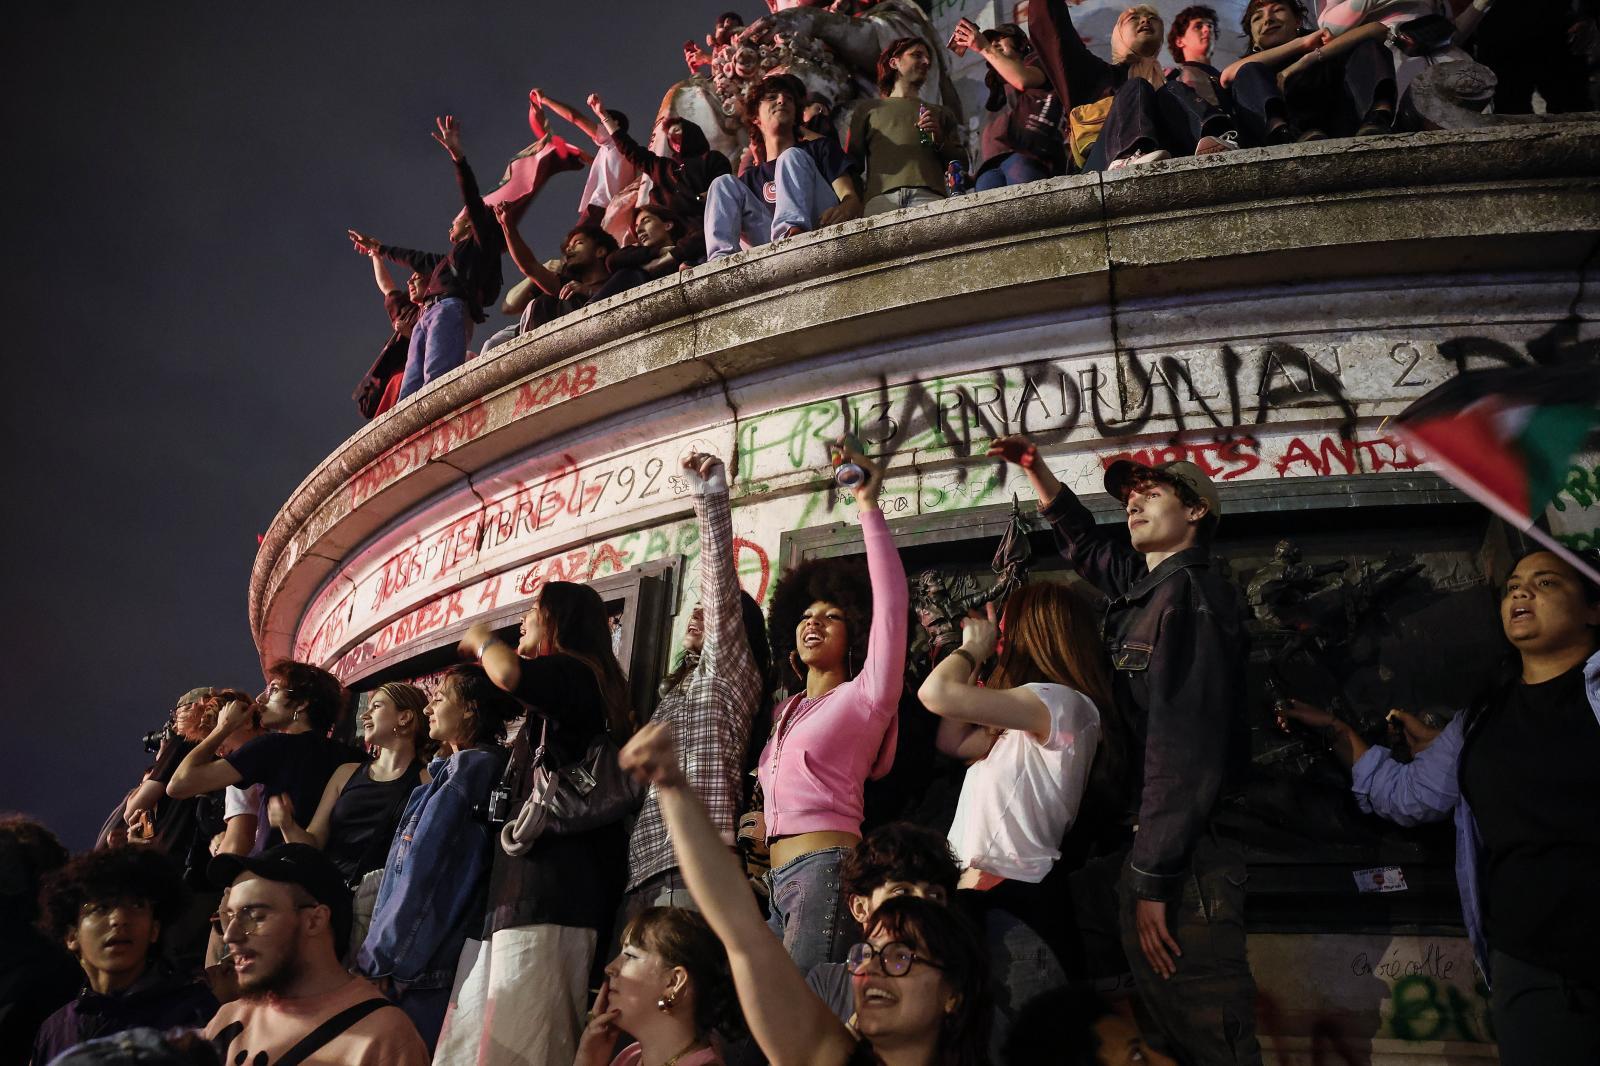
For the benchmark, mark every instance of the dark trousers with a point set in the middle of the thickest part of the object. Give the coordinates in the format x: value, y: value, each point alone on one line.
x: 1525, y: 44
x: 1173, y: 117
x: 1333, y: 96
x: 1205, y: 1013
x: 1540, y: 1017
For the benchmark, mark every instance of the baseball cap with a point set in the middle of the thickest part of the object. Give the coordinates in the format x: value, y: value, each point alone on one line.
x: 295, y: 864
x: 1125, y: 473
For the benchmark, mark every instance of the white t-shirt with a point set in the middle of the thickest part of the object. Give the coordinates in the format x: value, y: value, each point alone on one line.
x: 237, y: 801
x: 1018, y: 801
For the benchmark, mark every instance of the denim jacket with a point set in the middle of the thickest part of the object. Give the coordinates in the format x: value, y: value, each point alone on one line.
x: 1428, y: 789
x: 432, y: 888
x: 1177, y: 643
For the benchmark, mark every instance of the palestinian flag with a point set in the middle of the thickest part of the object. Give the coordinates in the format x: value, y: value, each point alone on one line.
x: 1507, y: 436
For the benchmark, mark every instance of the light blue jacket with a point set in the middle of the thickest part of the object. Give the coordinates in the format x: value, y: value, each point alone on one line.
x: 432, y: 890
x: 1428, y: 789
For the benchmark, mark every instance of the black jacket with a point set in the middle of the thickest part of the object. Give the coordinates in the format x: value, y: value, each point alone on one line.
x: 681, y: 181
x: 1178, y: 645
x: 471, y: 269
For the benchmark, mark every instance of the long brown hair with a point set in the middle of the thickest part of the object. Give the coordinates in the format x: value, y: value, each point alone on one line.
x: 577, y: 625
x: 1050, y: 637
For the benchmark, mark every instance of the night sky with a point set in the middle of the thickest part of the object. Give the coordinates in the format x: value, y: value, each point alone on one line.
x: 185, y: 319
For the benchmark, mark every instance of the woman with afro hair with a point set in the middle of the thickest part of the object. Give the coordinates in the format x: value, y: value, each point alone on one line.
x: 843, y: 634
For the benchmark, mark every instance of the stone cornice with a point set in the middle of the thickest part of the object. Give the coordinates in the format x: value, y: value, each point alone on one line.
x: 1505, y: 198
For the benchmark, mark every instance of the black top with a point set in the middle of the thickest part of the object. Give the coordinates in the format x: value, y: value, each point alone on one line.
x: 1529, y: 773
x: 295, y: 763
x: 832, y: 164
x: 471, y: 269
x: 572, y: 879
x: 681, y: 181
x: 364, y: 818
x: 174, y: 819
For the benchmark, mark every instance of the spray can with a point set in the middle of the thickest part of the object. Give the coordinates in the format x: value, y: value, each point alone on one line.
x: 846, y: 475
x: 955, y: 178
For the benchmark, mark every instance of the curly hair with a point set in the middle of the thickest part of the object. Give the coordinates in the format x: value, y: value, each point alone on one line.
x: 899, y: 851
x: 321, y: 694
x: 787, y: 84
x: 681, y: 937
x: 841, y: 582
x: 126, y: 872
x: 29, y: 853
x: 495, y: 707
x: 1180, y: 26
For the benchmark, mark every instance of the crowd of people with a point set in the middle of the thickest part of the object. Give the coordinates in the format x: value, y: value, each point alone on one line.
x: 442, y: 893
x: 1338, y: 68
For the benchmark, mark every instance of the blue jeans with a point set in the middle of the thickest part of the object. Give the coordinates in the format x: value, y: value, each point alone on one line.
x: 800, y: 194
x: 1016, y: 169
x: 438, y: 344
x: 1024, y: 969
x: 808, y: 908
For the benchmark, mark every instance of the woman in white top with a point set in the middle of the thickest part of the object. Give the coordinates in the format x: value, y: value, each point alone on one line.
x: 1031, y: 736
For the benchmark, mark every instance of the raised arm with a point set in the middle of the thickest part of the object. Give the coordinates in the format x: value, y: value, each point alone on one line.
x: 201, y: 771
x: 380, y: 274
x: 498, y: 659
x: 882, y: 675
x: 485, y: 230
x: 792, y: 1026
x: 548, y: 280
x: 1333, y: 46
x: 726, y: 650
x: 1013, y: 69
x: 1072, y: 69
x: 1107, y: 563
x: 950, y: 693
x: 590, y: 128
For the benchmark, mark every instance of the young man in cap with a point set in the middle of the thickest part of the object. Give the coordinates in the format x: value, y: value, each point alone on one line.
x: 1177, y: 644
x: 285, y: 917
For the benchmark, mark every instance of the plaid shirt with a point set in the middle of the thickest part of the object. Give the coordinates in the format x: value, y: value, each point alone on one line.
x: 709, y: 710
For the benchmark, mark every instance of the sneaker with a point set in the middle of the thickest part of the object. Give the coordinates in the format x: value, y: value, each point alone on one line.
x: 1226, y: 141
x: 1380, y: 120
x: 1283, y: 133
x: 1311, y: 135
x: 1140, y: 158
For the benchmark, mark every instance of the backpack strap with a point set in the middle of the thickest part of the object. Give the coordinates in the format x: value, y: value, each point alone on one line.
x: 324, y: 1034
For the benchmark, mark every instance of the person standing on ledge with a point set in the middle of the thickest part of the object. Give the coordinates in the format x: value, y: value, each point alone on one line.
x: 1178, y: 648
x: 460, y: 282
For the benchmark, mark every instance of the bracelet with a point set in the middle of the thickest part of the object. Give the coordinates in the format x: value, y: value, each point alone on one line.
x: 971, y: 659
x: 485, y: 646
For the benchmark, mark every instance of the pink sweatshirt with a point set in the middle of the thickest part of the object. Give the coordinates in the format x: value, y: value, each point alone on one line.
x: 822, y: 751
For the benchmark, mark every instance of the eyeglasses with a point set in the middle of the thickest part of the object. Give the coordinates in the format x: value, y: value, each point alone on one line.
x: 249, y: 918
x: 894, y: 959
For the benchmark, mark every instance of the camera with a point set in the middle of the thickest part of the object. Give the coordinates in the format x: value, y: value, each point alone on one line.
x: 157, y: 737
x: 496, y: 810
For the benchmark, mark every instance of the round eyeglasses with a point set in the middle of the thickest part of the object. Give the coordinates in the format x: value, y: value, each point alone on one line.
x: 894, y: 959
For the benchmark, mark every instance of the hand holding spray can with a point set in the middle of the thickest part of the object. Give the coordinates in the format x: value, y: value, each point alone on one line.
x: 846, y: 474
